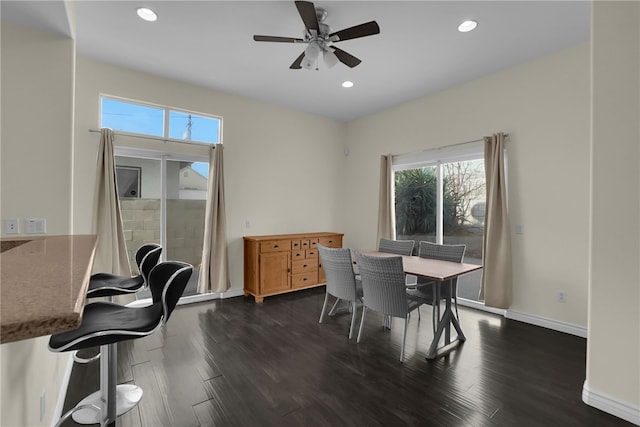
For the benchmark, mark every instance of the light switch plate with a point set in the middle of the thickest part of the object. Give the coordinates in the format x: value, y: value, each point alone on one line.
x: 35, y: 225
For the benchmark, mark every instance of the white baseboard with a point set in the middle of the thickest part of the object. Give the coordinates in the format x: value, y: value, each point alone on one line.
x: 194, y: 298
x: 610, y: 405
x: 556, y: 325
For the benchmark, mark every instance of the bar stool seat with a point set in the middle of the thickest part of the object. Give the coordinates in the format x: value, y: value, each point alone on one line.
x: 105, y: 324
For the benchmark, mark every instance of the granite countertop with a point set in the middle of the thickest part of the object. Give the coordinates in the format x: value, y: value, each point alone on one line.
x: 43, y: 284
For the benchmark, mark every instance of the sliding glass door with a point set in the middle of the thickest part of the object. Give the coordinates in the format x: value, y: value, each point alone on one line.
x: 464, y: 192
x: 162, y: 199
x: 440, y: 198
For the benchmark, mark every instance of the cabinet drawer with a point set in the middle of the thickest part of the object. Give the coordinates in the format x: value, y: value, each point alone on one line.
x: 275, y: 246
x: 311, y: 253
x: 313, y: 243
x: 331, y: 242
x: 300, y: 254
x: 295, y: 245
x: 304, y: 244
x: 304, y: 265
x: 304, y: 279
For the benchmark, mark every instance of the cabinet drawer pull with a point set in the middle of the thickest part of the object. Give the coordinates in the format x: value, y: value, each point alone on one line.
x: 276, y: 246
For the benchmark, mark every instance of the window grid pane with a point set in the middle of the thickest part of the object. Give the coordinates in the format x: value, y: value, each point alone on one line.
x: 130, y: 117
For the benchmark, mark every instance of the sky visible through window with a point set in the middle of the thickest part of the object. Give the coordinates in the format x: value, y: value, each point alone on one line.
x: 149, y: 120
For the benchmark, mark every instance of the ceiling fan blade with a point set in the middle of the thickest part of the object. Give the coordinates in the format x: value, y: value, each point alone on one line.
x: 362, y: 30
x: 346, y: 58
x: 277, y: 39
x: 297, y: 64
x: 307, y: 12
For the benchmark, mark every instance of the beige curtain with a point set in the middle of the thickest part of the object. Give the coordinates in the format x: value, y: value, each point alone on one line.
x: 214, y: 270
x: 111, y: 253
x: 386, y: 216
x: 496, y: 275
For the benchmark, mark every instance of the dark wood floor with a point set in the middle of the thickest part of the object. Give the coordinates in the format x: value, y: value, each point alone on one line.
x: 236, y: 363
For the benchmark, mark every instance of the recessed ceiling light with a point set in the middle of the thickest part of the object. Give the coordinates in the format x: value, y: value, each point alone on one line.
x: 347, y: 84
x: 147, y: 14
x: 467, y: 26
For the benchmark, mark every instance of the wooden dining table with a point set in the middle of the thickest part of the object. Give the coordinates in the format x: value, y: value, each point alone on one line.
x: 443, y: 272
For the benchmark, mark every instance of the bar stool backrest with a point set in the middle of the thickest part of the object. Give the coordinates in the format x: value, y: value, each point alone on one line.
x: 147, y: 257
x: 167, y: 282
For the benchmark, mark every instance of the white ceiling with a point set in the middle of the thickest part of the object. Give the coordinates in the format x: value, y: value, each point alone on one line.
x: 418, y: 51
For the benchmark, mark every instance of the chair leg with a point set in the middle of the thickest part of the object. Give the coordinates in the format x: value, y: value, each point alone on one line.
x: 352, y: 327
x: 404, y: 338
x: 364, y: 311
x: 332, y: 312
x: 324, y: 308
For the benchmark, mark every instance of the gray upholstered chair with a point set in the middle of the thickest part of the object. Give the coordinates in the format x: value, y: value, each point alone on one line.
x: 400, y: 247
x: 426, y: 289
x: 341, y: 282
x: 384, y: 290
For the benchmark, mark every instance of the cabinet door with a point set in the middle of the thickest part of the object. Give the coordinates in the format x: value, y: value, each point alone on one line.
x: 274, y: 272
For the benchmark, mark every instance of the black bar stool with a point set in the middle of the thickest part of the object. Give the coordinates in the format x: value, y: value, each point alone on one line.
x: 109, y: 285
x: 104, y: 324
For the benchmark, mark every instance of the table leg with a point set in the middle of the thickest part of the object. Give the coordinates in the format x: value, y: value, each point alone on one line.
x: 444, y: 326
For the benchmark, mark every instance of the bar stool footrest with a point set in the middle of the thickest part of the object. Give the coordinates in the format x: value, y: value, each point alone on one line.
x: 89, y: 409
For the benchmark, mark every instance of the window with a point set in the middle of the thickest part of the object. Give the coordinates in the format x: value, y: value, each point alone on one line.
x: 128, y: 181
x: 162, y: 122
x: 439, y: 197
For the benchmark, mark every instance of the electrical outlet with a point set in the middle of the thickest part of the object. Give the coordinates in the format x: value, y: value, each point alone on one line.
x: 562, y: 296
x: 10, y: 226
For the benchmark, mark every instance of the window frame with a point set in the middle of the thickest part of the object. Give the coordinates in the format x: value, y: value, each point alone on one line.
x: 167, y: 110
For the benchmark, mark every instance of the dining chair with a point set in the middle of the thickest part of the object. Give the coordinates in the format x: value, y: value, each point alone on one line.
x: 341, y: 282
x: 426, y: 289
x: 399, y: 247
x: 384, y: 290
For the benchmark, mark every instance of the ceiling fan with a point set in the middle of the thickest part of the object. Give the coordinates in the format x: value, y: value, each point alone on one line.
x: 320, y: 39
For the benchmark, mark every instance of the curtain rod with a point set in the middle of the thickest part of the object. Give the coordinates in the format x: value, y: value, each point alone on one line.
x: 156, y: 138
x: 506, y: 136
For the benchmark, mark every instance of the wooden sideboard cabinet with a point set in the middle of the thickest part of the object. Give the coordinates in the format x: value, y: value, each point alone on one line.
x: 282, y: 263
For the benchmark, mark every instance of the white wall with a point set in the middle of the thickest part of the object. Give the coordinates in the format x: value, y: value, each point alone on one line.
x: 613, y: 345
x: 544, y: 106
x: 282, y: 167
x: 36, y: 151
x: 37, y: 126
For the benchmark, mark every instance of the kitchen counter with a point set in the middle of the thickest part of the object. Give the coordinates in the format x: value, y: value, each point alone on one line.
x: 43, y: 284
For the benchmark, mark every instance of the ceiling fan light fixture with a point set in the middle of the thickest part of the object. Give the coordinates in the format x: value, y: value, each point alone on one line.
x: 330, y: 59
x: 312, y: 51
x: 147, y: 14
x: 467, y: 26
x: 308, y: 64
x: 347, y: 84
